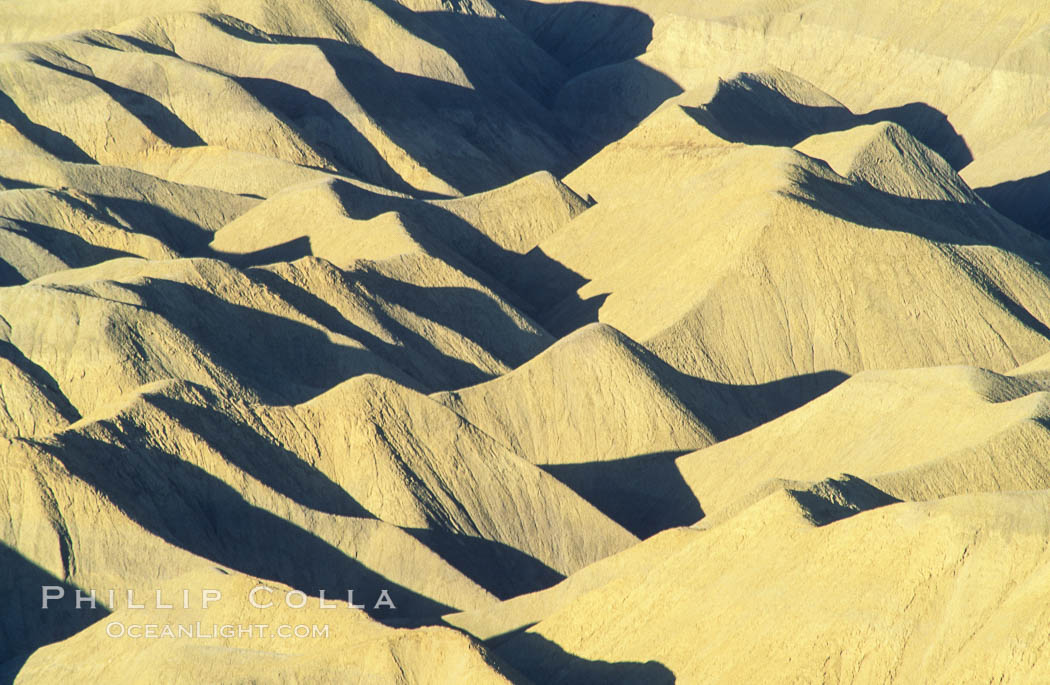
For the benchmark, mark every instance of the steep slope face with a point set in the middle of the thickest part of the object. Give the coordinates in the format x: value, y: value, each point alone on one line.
x: 816, y: 503
x: 887, y: 158
x: 416, y: 464
x: 491, y: 235
x: 149, y: 321
x: 116, y: 326
x: 831, y: 602
x: 593, y: 396
x: 186, y: 475
x: 766, y: 244
x: 351, y: 648
x: 405, y: 498
x: 326, y: 217
x: 323, y: 91
x: 441, y: 326
x: 516, y: 217
x: 30, y: 401
x: 915, y: 434
x: 58, y: 215
x: 603, y: 416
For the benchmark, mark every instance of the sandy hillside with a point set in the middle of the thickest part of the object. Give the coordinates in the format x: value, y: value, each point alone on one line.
x: 524, y: 341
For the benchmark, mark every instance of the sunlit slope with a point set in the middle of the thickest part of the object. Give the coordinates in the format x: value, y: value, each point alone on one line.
x: 646, y: 342
x: 323, y: 91
x: 604, y: 416
x: 354, y: 649
x: 940, y: 592
x: 915, y: 434
x: 761, y: 263
x: 118, y: 325
x: 296, y: 494
x: 492, y: 234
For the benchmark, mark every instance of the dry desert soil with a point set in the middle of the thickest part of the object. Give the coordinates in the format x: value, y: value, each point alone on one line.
x: 524, y: 341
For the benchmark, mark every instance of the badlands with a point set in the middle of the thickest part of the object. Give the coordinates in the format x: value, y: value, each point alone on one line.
x: 524, y: 341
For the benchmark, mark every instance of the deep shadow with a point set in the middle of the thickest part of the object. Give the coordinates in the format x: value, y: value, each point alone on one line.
x: 497, y: 640
x: 518, y: 279
x: 132, y: 214
x: 530, y: 282
x: 546, y: 662
x: 326, y: 130
x: 1025, y: 201
x: 745, y: 110
x: 425, y: 117
x: 729, y: 410
x: 24, y: 624
x: 14, y: 184
x: 470, y: 313
x: 135, y: 42
x: 192, y: 509
x: 289, y: 251
x: 153, y: 115
x: 607, y: 92
x: 281, y: 360
x: 851, y: 496
x: 581, y: 36
x: 69, y: 248
x: 645, y: 494
x: 178, y: 233
x: 9, y: 275
x: 53, y: 142
x: 44, y: 381
x: 411, y: 352
x: 263, y: 459
x: 502, y: 570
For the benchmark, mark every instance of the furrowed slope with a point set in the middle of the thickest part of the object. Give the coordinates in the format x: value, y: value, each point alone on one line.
x: 344, y: 104
x: 124, y: 323
x: 149, y: 321
x: 415, y: 463
x: 942, y: 592
x: 404, y: 497
x: 768, y: 264
x: 495, y: 232
x: 915, y: 434
x: 603, y: 416
x: 820, y: 503
x: 58, y: 215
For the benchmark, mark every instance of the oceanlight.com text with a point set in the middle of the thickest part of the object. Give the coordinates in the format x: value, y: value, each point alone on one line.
x: 226, y: 631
